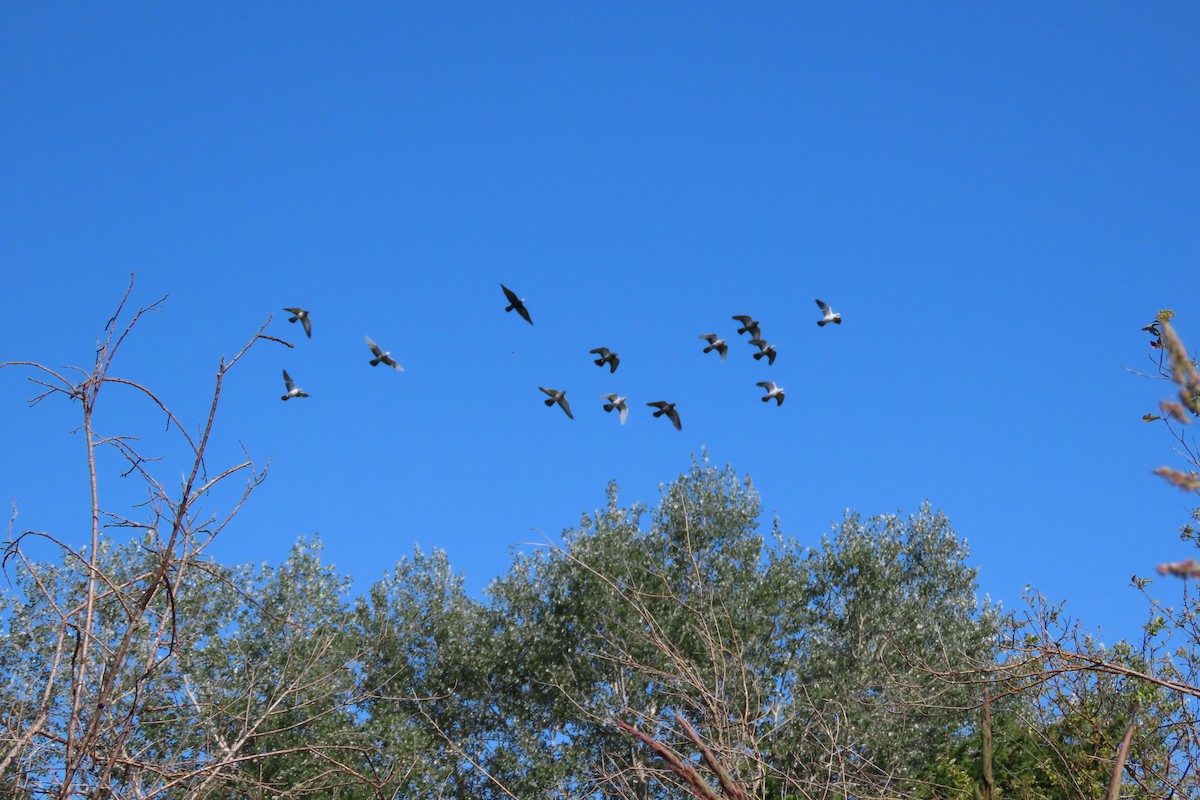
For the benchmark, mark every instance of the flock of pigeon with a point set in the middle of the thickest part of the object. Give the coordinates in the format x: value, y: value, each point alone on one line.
x: 301, y: 315
x: 615, y: 402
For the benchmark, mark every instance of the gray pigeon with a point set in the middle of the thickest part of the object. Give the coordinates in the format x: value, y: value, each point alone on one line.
x: 748, y: 324
x: 301, y: 314
x: 765, y: 348
x: 381, y: 356
x: 517, y: 303
x: 829, y: 315
x: 715, y: 343
x: 560, y: 397
x: 617, y: 402
x: 669, y: 409
x: 772, y: 391
x: 292, y: 391
x: 607, y: 356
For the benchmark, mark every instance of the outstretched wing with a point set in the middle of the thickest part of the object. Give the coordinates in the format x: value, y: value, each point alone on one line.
x: 374, y: 347
x: 287, y: 380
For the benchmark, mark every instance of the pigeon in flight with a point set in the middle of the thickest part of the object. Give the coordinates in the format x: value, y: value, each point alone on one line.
x: 516, y: 302
x: 830, y: 315
x: 607, y: 356
x: 1152, y: 328
x: 301, y: 314
x: 748, y: 324
x: 715, y: 343
x: 765, y: 348
x: 617, y: 402
x: 560, y: 397
x: 669, y: 409
x: 772, y: 391
x: 381, y: 356
x: 292, y: 391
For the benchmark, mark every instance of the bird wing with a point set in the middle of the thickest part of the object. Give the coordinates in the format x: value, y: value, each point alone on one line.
x: 562, y: 401
x: 623, y: 410
x: 673, y: 415
x: 601, y: 351
x: 823, y: 306
x: 391, y: 362
x: 287, y: 379
x: 768, y: 385
x: 745, y: 319
x: 657, y: 403
x: 299, y: 311
x: 711, y: 338
x: 552, y: 392
x: 512, y: 297
x: 304, y: 320
x: 374, y: 347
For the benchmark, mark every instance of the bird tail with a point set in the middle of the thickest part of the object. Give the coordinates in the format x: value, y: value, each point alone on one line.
x: 609, y: 406
x: 838, y: 320
x: 599, y: 362
x: 549, y: 402
x: 758, y: 355
x: 374, y: 362
x: 510, y: 308
x: 292, y: 319
x: 285, y: 397
x: 765, y: 397
x: 822, y: 322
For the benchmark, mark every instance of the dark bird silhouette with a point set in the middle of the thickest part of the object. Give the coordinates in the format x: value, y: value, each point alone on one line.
x: 617, y: 402
x: 828, y: 315
x: 749, y: 324
x: 772, y: 391
x: 669, y: 409
x: 301, y: 314
x: 765, y: 348
x: 715, y: 343
x: 292, y: 391
x: 517, y: 303
x: 559, y: 397
x: 381, y: 356
x: 607, y: 357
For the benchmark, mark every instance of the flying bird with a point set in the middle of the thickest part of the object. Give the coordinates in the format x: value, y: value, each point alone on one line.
x: 1153, y: 329
x: 381, y: 356
x: 830, y: 315
x: 301, y: 314
x: 617, y: 402
x: 715, y: 343
x: 516, y: 302
x: 560, y: 397
x: 669, y: 409
x: 292, y: 391
x: 765, y: 348
x: 607, y: 357
x: 748, y: 324
x: 772, y: 391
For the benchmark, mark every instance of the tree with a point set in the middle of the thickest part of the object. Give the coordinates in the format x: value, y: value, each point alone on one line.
x: 796, y: 669
x: 109, y: 685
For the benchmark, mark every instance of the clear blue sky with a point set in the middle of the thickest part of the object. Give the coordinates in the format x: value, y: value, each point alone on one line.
x: 995, y: 196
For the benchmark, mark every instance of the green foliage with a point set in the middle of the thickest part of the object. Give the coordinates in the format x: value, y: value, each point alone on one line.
x: 791, y: 662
